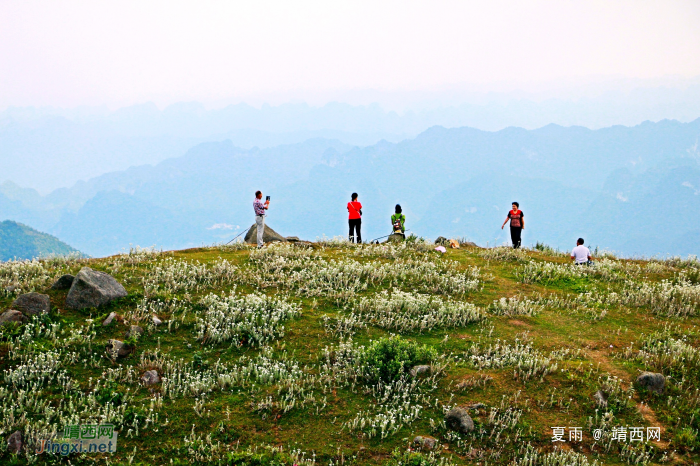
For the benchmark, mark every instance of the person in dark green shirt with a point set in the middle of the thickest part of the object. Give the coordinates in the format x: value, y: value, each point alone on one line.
x: 398, y: 221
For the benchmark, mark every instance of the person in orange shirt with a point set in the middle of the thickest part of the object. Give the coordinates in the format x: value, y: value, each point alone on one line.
x: 355, y: 219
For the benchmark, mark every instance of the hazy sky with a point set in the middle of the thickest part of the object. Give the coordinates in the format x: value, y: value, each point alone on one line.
x: 68, y: 53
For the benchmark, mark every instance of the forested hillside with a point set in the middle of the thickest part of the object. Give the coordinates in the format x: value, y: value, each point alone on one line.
x: 18, y: 241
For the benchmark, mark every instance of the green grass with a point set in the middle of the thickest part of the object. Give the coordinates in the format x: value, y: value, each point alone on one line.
x: 312, y: 408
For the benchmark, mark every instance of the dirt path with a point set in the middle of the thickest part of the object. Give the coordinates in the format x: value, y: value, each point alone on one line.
x: 601, y: 357
x: 650, y: 416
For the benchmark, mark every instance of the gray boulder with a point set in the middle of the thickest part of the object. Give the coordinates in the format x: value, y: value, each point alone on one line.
x: 293, y: 239
x: 420, y: 370
x: 652, y: 381
x: 150, y: 377
x: 91, y: 288
x: 424, y: 443
x: 14, y: 442
x: 269, y: 235
x: 395, y: 238
x: 442, y: 241
x: 457, y: 419
x: 10, y: 316
x: 135, y: 331
x: 32, y: 304
x: 601, y: 399
x: 117, y: 349
x: 63, y: 283
x: 109, y: 319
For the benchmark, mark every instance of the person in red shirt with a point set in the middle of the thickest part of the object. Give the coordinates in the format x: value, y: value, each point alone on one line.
x: 517, y: 224
x: 355, y: 219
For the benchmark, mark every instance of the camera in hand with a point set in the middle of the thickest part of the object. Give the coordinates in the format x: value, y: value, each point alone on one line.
x: 267, y: 198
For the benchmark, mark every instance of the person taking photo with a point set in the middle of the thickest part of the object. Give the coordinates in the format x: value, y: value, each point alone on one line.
x: 260, y: 207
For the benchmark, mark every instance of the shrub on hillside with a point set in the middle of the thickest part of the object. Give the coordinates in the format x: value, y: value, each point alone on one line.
x: 549, y: 250
x: 415, y: 312
x: 253, y: 319
x: 686, y: 439
x: 412, y: 458
x: 669, y: 352
x: 388, y: 358
x: 504, y: 254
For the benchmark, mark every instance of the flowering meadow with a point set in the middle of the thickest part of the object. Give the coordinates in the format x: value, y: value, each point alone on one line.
x: 331, y: 353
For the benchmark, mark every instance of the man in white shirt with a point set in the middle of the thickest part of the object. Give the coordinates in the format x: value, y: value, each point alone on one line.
x: 581, y: 254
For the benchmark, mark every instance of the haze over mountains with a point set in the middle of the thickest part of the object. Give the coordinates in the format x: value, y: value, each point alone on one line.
x: 50, y: 148
x: 629, y: 189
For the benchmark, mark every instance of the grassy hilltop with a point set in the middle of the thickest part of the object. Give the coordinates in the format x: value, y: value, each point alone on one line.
x: 303, y: 354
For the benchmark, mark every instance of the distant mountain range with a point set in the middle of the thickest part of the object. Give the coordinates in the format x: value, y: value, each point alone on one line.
x: 628, y: 189
x: 48, y: 148
x: 19, y: 241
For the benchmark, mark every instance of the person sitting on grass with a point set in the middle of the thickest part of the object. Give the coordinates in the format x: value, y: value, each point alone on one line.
x: 581, y: 254
x: 398, y: 221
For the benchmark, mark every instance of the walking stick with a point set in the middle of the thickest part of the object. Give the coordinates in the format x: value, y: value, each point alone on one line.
x: 239, y: 234
x: 375, y: 239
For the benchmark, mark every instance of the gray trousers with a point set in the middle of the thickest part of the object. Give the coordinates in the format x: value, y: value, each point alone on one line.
x: 260, y: 225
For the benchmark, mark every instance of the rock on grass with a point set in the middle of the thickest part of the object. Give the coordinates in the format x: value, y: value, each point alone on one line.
x: 457, y: 419
x: 652, y: 381
x: 420, y: 370
x: 109, y: 319
x: 63, y: 283
x: 14, y: 442
x: 12, y: 315
x: 117, y: 349
x: 92, y: 288
x: 601, y: 399
x: 150, y: 377
x: 134, y: 331
x: 32, y: 304
x: 424, y: 443
x: 269, y: 235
